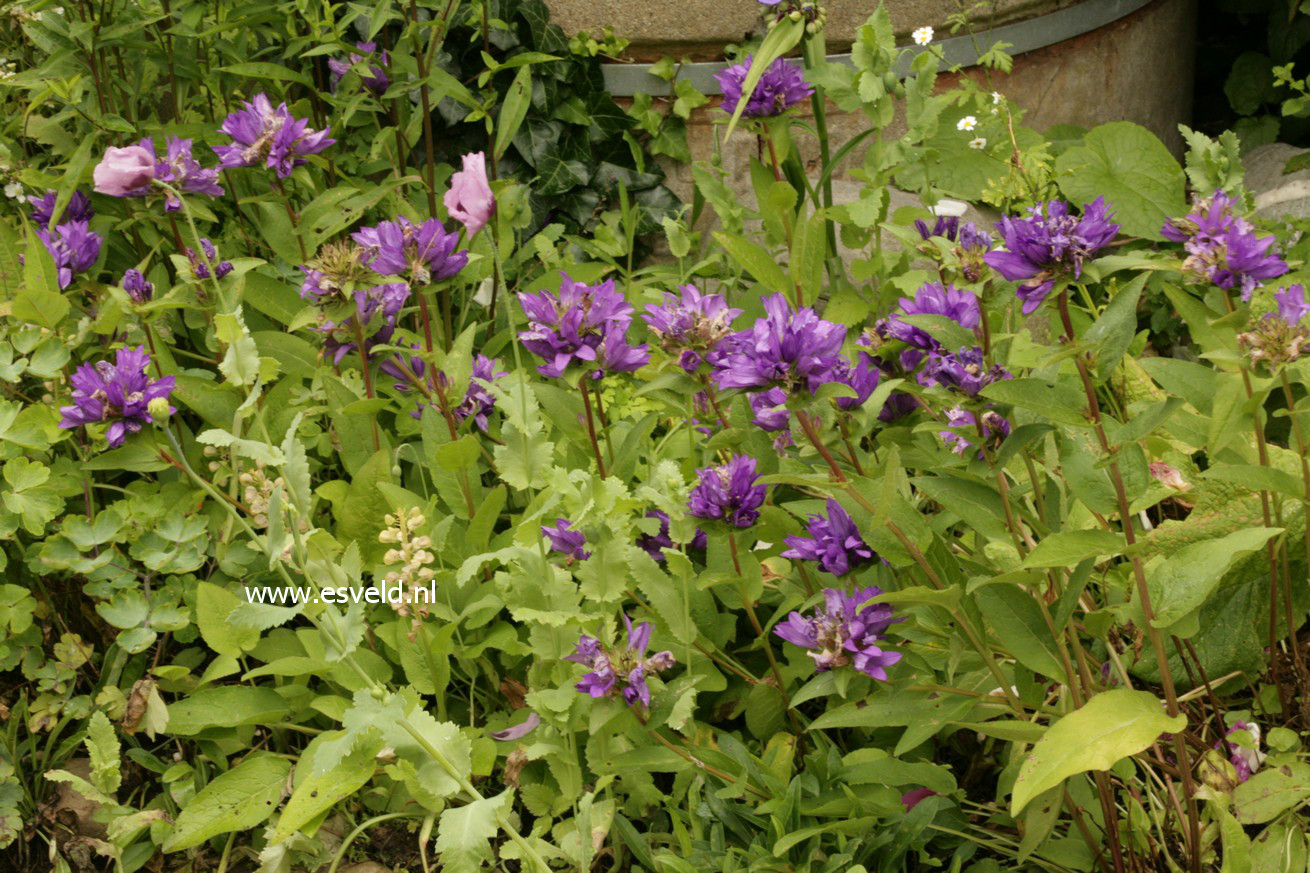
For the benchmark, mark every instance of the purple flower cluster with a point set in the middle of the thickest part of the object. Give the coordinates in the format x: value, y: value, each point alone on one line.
x: 582, y: 325
x: 43, y: 208
x: 834, y: 542
x: 423, y: 253
x: 74, y: 248
x: 964, y: 371
x: 376, y: 79
x: 1292, y: 305
x: 771, y: 415
x: 565, y: 540
x: 624, y: 669
x: 654, y: 545
x: 845, y: 632
x: 477, y: 402
x: 382, y: 302
x: 119, y: 393
x: 207, y: 260
x: 72, y: 244
x: 932, y: 298
x: 781, y: 87
x: 995, y: 428
x: 181, y: 170
x: 728, y: 492
x: 138, y: 289
x: 1246, y: 761
x: 786, y: 349
x: 1222, y: 247
x: 272, y: 137
x: 1048, y: 244
x: 1279, y: 337
x: 692, y: 326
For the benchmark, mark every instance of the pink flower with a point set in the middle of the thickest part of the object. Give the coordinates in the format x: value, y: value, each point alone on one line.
x: 911, y: 799
x: 125, y: 172
x: 469, y: 199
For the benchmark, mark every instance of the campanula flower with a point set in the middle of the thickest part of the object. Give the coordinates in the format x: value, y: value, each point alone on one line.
x: 781, y: 87
x: 691, y: 326
x: 117, y: 393
x: 138, y: 289
x: 845, y: 632
x: 271, y: 137
x: 376, y: 78
x: 624, y: 669
x: 787, y: 349
x: 423, y: 253
x: 581, y: 325
x: 834, y: 542
x: 74, y: 248
x: 43, y: 208
x: 565, y: 540
x: 728, y: 492
x: 1050, y: 243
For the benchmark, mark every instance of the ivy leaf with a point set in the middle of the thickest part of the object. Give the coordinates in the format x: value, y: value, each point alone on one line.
x: 1137, y: 175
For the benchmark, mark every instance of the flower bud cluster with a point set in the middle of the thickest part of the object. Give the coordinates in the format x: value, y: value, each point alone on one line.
x: 412, y: 558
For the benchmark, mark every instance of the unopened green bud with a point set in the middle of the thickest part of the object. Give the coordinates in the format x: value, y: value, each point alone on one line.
x: 159, y: 410
x: 795, y: 15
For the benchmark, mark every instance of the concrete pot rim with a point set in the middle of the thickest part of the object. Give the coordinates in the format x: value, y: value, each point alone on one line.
x: 627, y: 80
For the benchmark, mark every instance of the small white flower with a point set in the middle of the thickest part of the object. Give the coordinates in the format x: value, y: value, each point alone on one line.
x: 978, y: 142
x: 996, y: 97
x: 922, y: 35
x: 968, y: 122
x: 13, y: 190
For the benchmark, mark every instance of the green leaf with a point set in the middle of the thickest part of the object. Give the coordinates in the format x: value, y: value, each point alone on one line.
x: 1268, y: 793
x: 39, y: 300
x: 465, y: 832
x: 1185, y: 579
x: 225, y: 706
x: 28, y: 496
x: 1020, y: 627
x: 295, y: 469
x: 103, y: 749
x: 1258, y: 478
x: 1067, y: 548
x: 1124, y: 162
x: 240, y: 364
x: 1112, y: 333
x: 237, y: 800
x: 1108, y: 728
x: 756, y: 261
x: 214, y: 605
x: 321, y: 791
x: 513, y: 109
x: 261, y: 70
x: 1054, y: 400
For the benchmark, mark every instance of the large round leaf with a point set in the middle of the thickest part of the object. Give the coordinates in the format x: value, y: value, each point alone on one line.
x: 1126, y: 163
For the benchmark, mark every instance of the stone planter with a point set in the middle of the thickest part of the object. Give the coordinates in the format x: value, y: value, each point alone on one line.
x: 1075, y: 63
